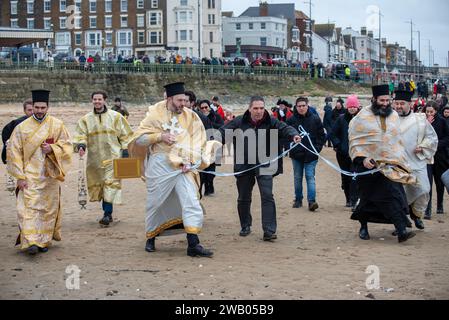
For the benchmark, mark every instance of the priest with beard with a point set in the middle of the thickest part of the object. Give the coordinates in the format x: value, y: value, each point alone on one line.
x: 375, y: 143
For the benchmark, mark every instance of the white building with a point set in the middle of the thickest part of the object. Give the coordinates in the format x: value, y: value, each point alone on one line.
x: 193, y: 26
x: 320, y: 49
x: 255, y: 36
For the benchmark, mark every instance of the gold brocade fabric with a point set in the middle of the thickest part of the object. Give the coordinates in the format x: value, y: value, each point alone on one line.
x: 379, y: 138
x: 105, y: 135
x: 191, y: 145
x: 39, y: 206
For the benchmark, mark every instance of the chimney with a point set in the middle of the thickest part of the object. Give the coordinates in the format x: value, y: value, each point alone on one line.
x: 363, y: 31
x: 263, y: 9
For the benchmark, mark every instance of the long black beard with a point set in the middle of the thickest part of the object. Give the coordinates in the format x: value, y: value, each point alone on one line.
x: 379, y: 111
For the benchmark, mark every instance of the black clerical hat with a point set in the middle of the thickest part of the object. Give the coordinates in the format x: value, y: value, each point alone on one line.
x: 403, y: 95
x: 173, y: 89
x: 382, y: 90
x: 40, y: 95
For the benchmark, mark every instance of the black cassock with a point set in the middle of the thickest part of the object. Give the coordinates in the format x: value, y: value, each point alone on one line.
x: 381, y: 200
x: 7, y: 132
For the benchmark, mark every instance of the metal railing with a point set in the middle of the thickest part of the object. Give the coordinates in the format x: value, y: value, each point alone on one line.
x: 150, y: 68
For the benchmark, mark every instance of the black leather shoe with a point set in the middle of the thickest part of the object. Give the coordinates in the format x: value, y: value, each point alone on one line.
x: 297, y: 204
x: 43, y: 250
x: 313, y: 206
x: 419, y: 224
x: 363, y: 234
x: 33, y: 250
x: 394, y: 233
x: 440, y: 210
x: 105, y: 221
x: 199, y: 251
x: 427, y: 217
x: 245, y: 231
x: 268, y: 236
x: 150, y: 246
x: 348, y: 204
x: 405, y: 236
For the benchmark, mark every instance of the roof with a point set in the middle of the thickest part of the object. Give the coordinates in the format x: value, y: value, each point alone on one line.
x: 16, y: 37
x: 301, y: 15
x: 325, y: 30
x: 228, y: 14
x: 280, y: 10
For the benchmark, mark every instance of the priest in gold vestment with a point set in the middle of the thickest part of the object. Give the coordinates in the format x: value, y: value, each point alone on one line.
x: 172, y: 142
x: 104, y: 133
x: 39, y: 153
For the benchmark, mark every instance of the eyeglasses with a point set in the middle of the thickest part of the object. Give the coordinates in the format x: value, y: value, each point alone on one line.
x: 204, y: 108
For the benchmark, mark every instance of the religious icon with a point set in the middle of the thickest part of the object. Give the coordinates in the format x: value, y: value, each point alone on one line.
x: 174, y: 128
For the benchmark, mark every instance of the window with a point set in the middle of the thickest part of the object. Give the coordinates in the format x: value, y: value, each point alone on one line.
x: 78, y: 40
x: 93, y: 22
x: 211, y: 37
x: 108, y: 6
x: 277, y: 42
x: 362, y: 44
x: 183, y: 35
x: 123, y: 5
x: 78, y: 22
x: 140, y: 37
x: 211, y: 18
x: 363, y: 56
x: 140, y: 20
x: 211, y: 52
x: 62, y: 22
x: 124, y: 21
x: 30, y: 23
x: 155, y: 18
x: 30, y: 6
x: 62, y: 5
x: 190, y: 34
x: 108, y: 39
x: 263, y: 42
x: 78, y: 6
x: 92, y: 6
x: 183, y: 2
x: 154, y: 3
x: 238, y: 41
x: 47, y: 6
x: 250, y: 26
x: 93, y: 39
x: 238, y: 26
x: 14, y: 23
x: 124, y: 38
x: 155, y: 37
x: 13, y: 7
x: 62, y: 39
x: 108, y: 21
x: 263, y: 25
x: 140, y: 4
x: 211, y: 4
x: 276, y: 26
x: 47, y: 23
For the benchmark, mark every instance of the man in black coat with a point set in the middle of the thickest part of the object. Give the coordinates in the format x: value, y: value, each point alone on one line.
x: 340, y: 141
x: 256, y: 137
x: 9, y: 128
x: 303, y: 160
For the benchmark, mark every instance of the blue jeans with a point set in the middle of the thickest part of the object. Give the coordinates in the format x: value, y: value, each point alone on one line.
x: 299, y: 168
x: 107, y: 208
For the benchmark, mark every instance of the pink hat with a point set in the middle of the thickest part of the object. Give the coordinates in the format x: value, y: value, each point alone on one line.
x: 352, y: 101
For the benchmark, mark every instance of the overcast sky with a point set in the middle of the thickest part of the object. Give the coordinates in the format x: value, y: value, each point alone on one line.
x: 430, y: 17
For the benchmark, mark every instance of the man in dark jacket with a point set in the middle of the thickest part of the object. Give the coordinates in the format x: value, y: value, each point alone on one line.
x: 340, y: 141
x: 302, y: 159
x: 9, y: 128
x: 327, y: 119
x: 252, y: 134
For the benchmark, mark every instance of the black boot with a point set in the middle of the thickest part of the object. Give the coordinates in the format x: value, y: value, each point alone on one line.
x: 195, y: 249
x: 150, y: 246
x: 33, y: 250
x: 363, y: 233
x: 404, y: 236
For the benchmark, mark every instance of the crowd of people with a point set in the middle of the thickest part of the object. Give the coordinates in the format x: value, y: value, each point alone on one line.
x: 389, y: 154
